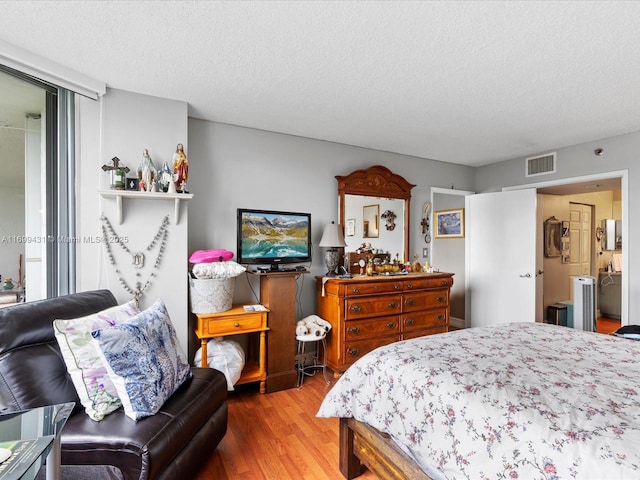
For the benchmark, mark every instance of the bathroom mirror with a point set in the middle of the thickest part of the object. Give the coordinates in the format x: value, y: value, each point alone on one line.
x: 379, y: 187
x: 371, y: 224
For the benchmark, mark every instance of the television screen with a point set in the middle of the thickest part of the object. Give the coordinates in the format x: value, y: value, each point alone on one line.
x: 268, y: 237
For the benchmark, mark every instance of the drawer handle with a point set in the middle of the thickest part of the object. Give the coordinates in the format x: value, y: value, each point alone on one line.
x: 353, y: 352
x: 409, y: 285
x: 444, y: 283
x: 391, y: 324
x: 396, y: 286
x: 410, y: 321
x: 356, y: 308
x: 355, y: 330
x: 410, y: 302
x: 440, y: 298
x: 236, y: 324
x: 355, y: 290
x: 439, y: 316
x: 393, y: 305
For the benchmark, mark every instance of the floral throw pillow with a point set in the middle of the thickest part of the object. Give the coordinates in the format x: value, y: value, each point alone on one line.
x: 144, y: 360
x: 97, y: 392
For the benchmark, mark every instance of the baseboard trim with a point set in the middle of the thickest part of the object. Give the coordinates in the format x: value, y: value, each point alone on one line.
x: 457, y: 323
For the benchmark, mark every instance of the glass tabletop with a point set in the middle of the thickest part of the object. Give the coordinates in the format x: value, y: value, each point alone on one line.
x: 30, y: 435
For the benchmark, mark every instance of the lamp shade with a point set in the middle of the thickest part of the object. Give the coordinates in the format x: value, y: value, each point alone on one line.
x: 332, y: 236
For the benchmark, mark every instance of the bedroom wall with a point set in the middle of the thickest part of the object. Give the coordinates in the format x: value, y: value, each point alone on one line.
x: 449, y: 256
x: 122, y: 124
x: 620, y: 153
x: 234, y: 167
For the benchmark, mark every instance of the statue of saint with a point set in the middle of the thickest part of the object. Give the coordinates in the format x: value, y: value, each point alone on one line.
x: 181, y: 169
x: 146, y: 172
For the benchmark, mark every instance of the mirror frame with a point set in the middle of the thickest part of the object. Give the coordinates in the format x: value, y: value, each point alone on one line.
x: 377, y: 181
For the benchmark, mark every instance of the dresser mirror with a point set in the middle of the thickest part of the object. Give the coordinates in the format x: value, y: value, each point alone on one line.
x: 370, y: 221
x: 380, y: 188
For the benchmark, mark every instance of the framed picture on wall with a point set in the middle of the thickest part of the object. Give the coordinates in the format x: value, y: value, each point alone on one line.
x: 449, y: 223
x: 350, y: 227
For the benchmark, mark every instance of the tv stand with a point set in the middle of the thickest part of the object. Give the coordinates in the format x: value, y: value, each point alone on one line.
x: 278, y: 294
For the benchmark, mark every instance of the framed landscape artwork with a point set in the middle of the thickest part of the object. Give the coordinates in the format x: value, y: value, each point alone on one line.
x: 449, y: 223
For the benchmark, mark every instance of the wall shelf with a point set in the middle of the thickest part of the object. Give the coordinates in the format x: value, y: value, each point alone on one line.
x: 119, y: 195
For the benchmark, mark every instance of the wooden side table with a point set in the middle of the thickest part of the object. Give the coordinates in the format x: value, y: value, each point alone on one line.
x: 237, y: 322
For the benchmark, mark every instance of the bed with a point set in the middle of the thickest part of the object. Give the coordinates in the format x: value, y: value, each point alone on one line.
x: 522, y: 400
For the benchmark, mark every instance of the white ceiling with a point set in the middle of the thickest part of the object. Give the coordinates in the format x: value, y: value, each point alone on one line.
x: 462, y: 82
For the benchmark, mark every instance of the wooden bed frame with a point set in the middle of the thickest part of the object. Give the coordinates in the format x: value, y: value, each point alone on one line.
x: 364, y: 446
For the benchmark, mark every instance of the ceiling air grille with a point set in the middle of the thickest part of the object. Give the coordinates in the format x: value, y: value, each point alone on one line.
x: 541, y: 165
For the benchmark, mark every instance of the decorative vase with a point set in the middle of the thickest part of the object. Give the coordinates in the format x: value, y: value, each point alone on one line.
x: 8, y: 284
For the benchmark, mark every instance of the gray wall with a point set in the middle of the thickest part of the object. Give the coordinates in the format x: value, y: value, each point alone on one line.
x: 122, y: 124
x: 233, y: 167
x: 449, y: 255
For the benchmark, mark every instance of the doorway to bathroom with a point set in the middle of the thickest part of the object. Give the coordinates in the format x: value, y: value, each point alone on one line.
x: 604, y: 194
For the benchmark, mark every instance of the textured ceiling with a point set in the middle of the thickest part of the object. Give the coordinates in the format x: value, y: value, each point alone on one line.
x: 463, y: 82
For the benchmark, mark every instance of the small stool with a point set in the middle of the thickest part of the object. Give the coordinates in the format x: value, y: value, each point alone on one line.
x: 303, y: 369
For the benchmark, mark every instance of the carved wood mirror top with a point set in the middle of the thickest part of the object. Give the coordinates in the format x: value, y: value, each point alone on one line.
x: 378, y: 182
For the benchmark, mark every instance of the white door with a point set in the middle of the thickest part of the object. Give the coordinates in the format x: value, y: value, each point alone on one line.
x: 580, y: 239
x: 501, y: 257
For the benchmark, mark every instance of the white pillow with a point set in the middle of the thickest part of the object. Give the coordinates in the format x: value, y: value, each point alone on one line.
x: 97, y: 392
x: 144, y: 360
x: 218, y: 269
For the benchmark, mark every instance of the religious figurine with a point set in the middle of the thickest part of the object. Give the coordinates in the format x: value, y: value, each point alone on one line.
x: 165, y: 178
x: 181, y: 169
x: 146, y: 172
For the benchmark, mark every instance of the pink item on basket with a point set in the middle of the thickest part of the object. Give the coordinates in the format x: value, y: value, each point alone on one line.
x: 208, y: 256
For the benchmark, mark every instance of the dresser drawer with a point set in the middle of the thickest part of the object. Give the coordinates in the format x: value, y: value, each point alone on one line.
x: 424, y: 333
x: 355, y: 350
x: 372, y: 306
x: 232, y: 325
x: 415, y: 301
x: 371, y: 288
x: 376, y: 327
x: 422, y: 283
x: 423, y: 320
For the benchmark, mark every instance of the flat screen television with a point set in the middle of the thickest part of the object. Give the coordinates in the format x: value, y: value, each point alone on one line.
x: 273, y: 238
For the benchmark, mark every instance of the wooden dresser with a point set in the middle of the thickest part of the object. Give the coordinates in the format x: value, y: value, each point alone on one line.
x: 368, y: 312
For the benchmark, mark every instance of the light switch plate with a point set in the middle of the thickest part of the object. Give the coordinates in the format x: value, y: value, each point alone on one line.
x: 425, y: 253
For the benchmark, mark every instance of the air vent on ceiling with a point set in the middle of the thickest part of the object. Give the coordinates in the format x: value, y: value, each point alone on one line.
x: 541, y: 165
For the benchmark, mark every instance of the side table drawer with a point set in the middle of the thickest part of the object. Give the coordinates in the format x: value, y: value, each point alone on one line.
x: 236, y: 324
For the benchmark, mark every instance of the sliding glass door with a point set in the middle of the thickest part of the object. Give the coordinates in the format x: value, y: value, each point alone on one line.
x: 36, y: 186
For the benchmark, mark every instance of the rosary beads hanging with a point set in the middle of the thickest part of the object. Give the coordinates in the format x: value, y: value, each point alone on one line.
x: 137, y: 258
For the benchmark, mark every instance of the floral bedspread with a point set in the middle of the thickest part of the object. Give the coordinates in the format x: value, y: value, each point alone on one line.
x: 523, y: 400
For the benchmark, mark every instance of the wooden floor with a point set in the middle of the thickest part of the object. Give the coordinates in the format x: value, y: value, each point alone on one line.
x: 277, y: 436
x: 607, y: 325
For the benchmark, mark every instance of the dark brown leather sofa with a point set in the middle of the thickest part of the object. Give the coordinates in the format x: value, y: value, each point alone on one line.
x: 172, y: 444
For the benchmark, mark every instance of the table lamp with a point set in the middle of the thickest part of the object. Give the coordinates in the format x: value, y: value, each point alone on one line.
x: 333, y: 238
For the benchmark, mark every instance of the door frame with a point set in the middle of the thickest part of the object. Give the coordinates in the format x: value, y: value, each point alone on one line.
x: 623, y: 175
